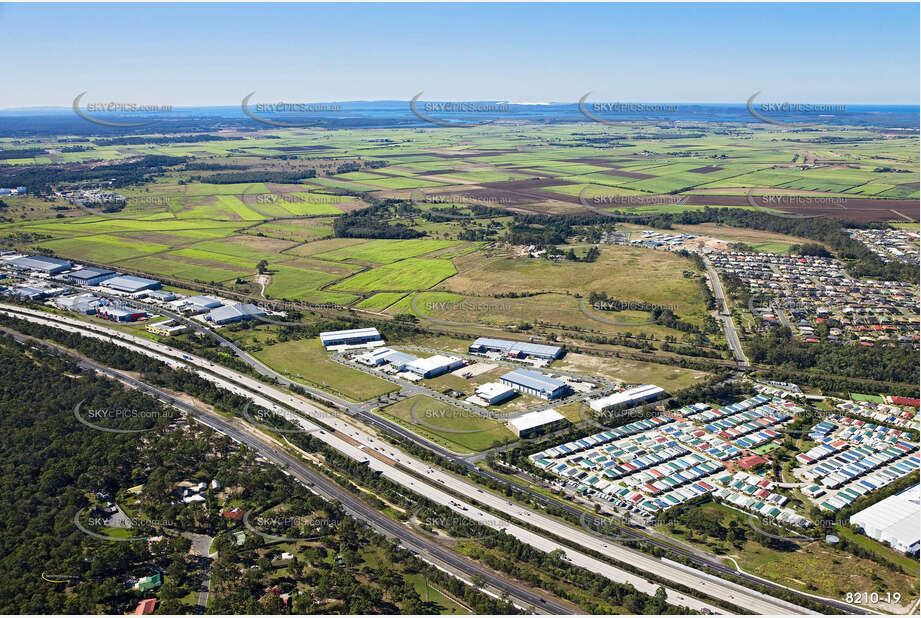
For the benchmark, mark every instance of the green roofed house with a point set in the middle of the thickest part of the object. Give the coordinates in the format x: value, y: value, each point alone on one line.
x: 149, y: 582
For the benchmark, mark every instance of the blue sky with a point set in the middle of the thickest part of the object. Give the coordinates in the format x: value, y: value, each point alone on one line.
x: 214, y: 54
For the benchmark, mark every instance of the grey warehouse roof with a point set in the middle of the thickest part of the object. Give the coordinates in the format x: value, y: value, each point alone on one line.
x: 536, y: 349
x: 533, y: 379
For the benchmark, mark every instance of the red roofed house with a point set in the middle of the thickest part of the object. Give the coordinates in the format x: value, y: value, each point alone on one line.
x: 752, y: 461
x: 145, y: 607
x: 236, y: 513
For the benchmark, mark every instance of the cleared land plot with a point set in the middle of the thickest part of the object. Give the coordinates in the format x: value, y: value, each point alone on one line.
x: 629, y: 371
x: 817, y: 567
x: 736, y: 234
x: 617, y: 271
x: 308, y: 358
x: 455, y: 428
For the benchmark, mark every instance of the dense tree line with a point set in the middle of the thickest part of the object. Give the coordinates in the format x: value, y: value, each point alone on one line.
x: 205, y: 166
x: 40, y: 179
x: 810, y: 248
x: 161, y: 139
x: 373, y: 222
x: 22, y: 153
x: 235, y: 177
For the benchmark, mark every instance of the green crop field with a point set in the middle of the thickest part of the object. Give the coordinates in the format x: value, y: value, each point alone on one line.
x: 294, y: 283
x: 386, y: 251
x: 408, y: 274
x: 380, y: 301
x: 229, y: 189
x: 180, y: 268
x: 102, y: 248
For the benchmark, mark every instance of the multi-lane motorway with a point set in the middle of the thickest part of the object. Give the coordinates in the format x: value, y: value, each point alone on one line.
x: 442, y: 487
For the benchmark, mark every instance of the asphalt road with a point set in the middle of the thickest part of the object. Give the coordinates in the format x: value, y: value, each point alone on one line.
x: 729, y: 327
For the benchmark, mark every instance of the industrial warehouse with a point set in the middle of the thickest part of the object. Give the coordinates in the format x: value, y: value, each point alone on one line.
x: 131, y: 284
x: 434, y: 366
x: 40, y: 263
x: 342, y: 339
x: 643, y: 393
x: 535, y: 383
x: 896, y: 520
x: 515, y: 349
x: 536, y: 423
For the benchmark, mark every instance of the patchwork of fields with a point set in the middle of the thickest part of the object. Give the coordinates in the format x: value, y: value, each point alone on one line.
x: 183, y: 227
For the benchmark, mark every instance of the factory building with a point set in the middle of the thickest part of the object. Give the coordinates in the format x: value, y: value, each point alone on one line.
x: 131, y: 284
x: 163, y: 296
x: 535, y: 383
x: 200, y: 304
x: 494, y: 392
x: 26, y: 292
x: 354, y: 336
x: 434, y: 366
x: 234, y: 313
x: 385, y: 356
x: 86, y: 304
x: 895, y: 520
x: 536, y: 423
x: 515, y: 349
x: 89, y: 276
x: 627, y: 399
x: 167, y: 328
x: 52, y: 266
x: 120, y: 314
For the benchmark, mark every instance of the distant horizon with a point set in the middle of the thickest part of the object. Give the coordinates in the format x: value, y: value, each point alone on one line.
x: 69, y: 108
